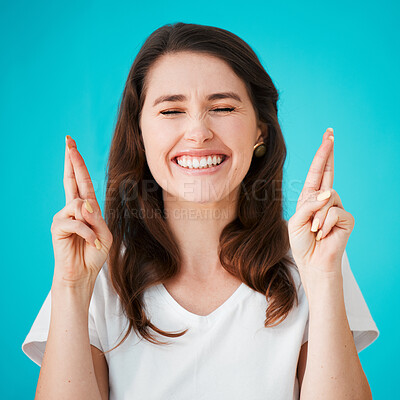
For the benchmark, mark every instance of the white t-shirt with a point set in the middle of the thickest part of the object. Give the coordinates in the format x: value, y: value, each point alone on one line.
x: 228, y: 354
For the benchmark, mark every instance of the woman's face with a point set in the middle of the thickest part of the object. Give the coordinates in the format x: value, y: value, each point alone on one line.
x: 181, y: 117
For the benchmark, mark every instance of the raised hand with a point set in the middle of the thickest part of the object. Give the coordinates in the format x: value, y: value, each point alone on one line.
x: 81, y: 238
x: 320, y: 228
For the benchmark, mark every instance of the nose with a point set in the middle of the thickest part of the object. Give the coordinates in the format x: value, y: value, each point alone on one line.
x: 197, y: 131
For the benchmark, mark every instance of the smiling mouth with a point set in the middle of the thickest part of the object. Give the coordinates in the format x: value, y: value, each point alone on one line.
x: 196, y: 166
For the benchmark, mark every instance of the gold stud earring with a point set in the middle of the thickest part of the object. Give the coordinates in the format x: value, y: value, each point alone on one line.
x: 259, y: 149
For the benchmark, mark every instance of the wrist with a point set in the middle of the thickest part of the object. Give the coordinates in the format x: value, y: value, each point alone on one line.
x: 319, y: 285
x: 78, y: 284
x: 77, y: 294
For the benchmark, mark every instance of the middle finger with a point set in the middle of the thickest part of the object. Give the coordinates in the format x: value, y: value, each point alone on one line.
x: 84, y: 183
x: 70, y: 186
x: 316, y: 171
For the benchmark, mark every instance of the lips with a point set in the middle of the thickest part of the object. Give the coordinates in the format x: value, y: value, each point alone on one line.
x: 210, y: 170
x: 223, y: 157
x: 198, y: 153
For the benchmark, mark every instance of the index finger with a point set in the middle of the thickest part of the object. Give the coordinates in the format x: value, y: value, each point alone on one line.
x: 70, y: 187
x: 83, y: 181
x: 317, y: 168
x: 327, y: 179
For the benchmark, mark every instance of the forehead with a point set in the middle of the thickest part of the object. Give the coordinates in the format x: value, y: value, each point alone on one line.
x: 186, y: 72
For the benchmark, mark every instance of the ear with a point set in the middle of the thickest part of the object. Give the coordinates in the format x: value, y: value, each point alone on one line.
x: 262, y: 131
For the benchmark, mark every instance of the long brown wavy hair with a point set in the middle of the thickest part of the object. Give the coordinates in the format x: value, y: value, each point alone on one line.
x: 253, y: 247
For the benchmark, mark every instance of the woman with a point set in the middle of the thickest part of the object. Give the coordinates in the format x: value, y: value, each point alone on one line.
x: 194, y: 247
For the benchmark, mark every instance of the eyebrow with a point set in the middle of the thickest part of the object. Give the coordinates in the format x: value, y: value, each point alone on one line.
x: 181, y: 97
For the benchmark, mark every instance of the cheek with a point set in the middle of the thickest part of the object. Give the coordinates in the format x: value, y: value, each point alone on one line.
x: 239, y: 136
x: 232, y: 123
x: 242, y: 137
x: 235, y: 129
x: 158, y: 140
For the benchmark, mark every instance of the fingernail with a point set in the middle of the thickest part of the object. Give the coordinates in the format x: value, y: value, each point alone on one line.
x: 324, y: 195
x: 88, y: 206
x: 319, y: 234
x: 66, y: 139
x: 98, y: 244
x: 331, y: 136
x: 315, y: 225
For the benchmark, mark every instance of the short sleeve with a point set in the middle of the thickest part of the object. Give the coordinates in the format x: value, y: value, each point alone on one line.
x: 35, y: 342
x: 305, y: 335
x: 360, y: 320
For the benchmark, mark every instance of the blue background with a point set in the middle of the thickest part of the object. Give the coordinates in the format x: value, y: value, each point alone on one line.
x: 63, y: 69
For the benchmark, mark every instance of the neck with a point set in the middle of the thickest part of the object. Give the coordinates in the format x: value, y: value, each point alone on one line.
x: 197, y: 228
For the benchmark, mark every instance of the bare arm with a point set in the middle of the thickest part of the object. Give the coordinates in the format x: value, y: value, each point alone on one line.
x: 67, y: 370
x: 81, y: 242
x: 333, y: 369
x: 101, y: 370
x: 301, y: 365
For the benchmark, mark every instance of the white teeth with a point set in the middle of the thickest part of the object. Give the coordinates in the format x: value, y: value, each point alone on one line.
x: 204, y: 162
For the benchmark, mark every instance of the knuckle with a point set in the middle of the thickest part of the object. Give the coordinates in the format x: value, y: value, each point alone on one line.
x: 90, y: 233
x: 83, y: 224
x: 55, y: 225
x: 77, y: 202
x: 310, y: 184
x: 333, y: 211
x: 56, y: 220
x: 312, y: 196
x: 79, y: 226
x: 314, y: 169
x: 57, y: 215
x: 304, y: 195
x: 86, y: 179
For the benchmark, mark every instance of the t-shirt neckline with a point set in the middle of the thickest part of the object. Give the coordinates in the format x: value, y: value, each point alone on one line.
x: 186, y: 314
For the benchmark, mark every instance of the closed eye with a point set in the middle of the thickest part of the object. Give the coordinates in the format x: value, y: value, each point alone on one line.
x: 179, y: 112
x: 223, y: 109
x: 169, y: 112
